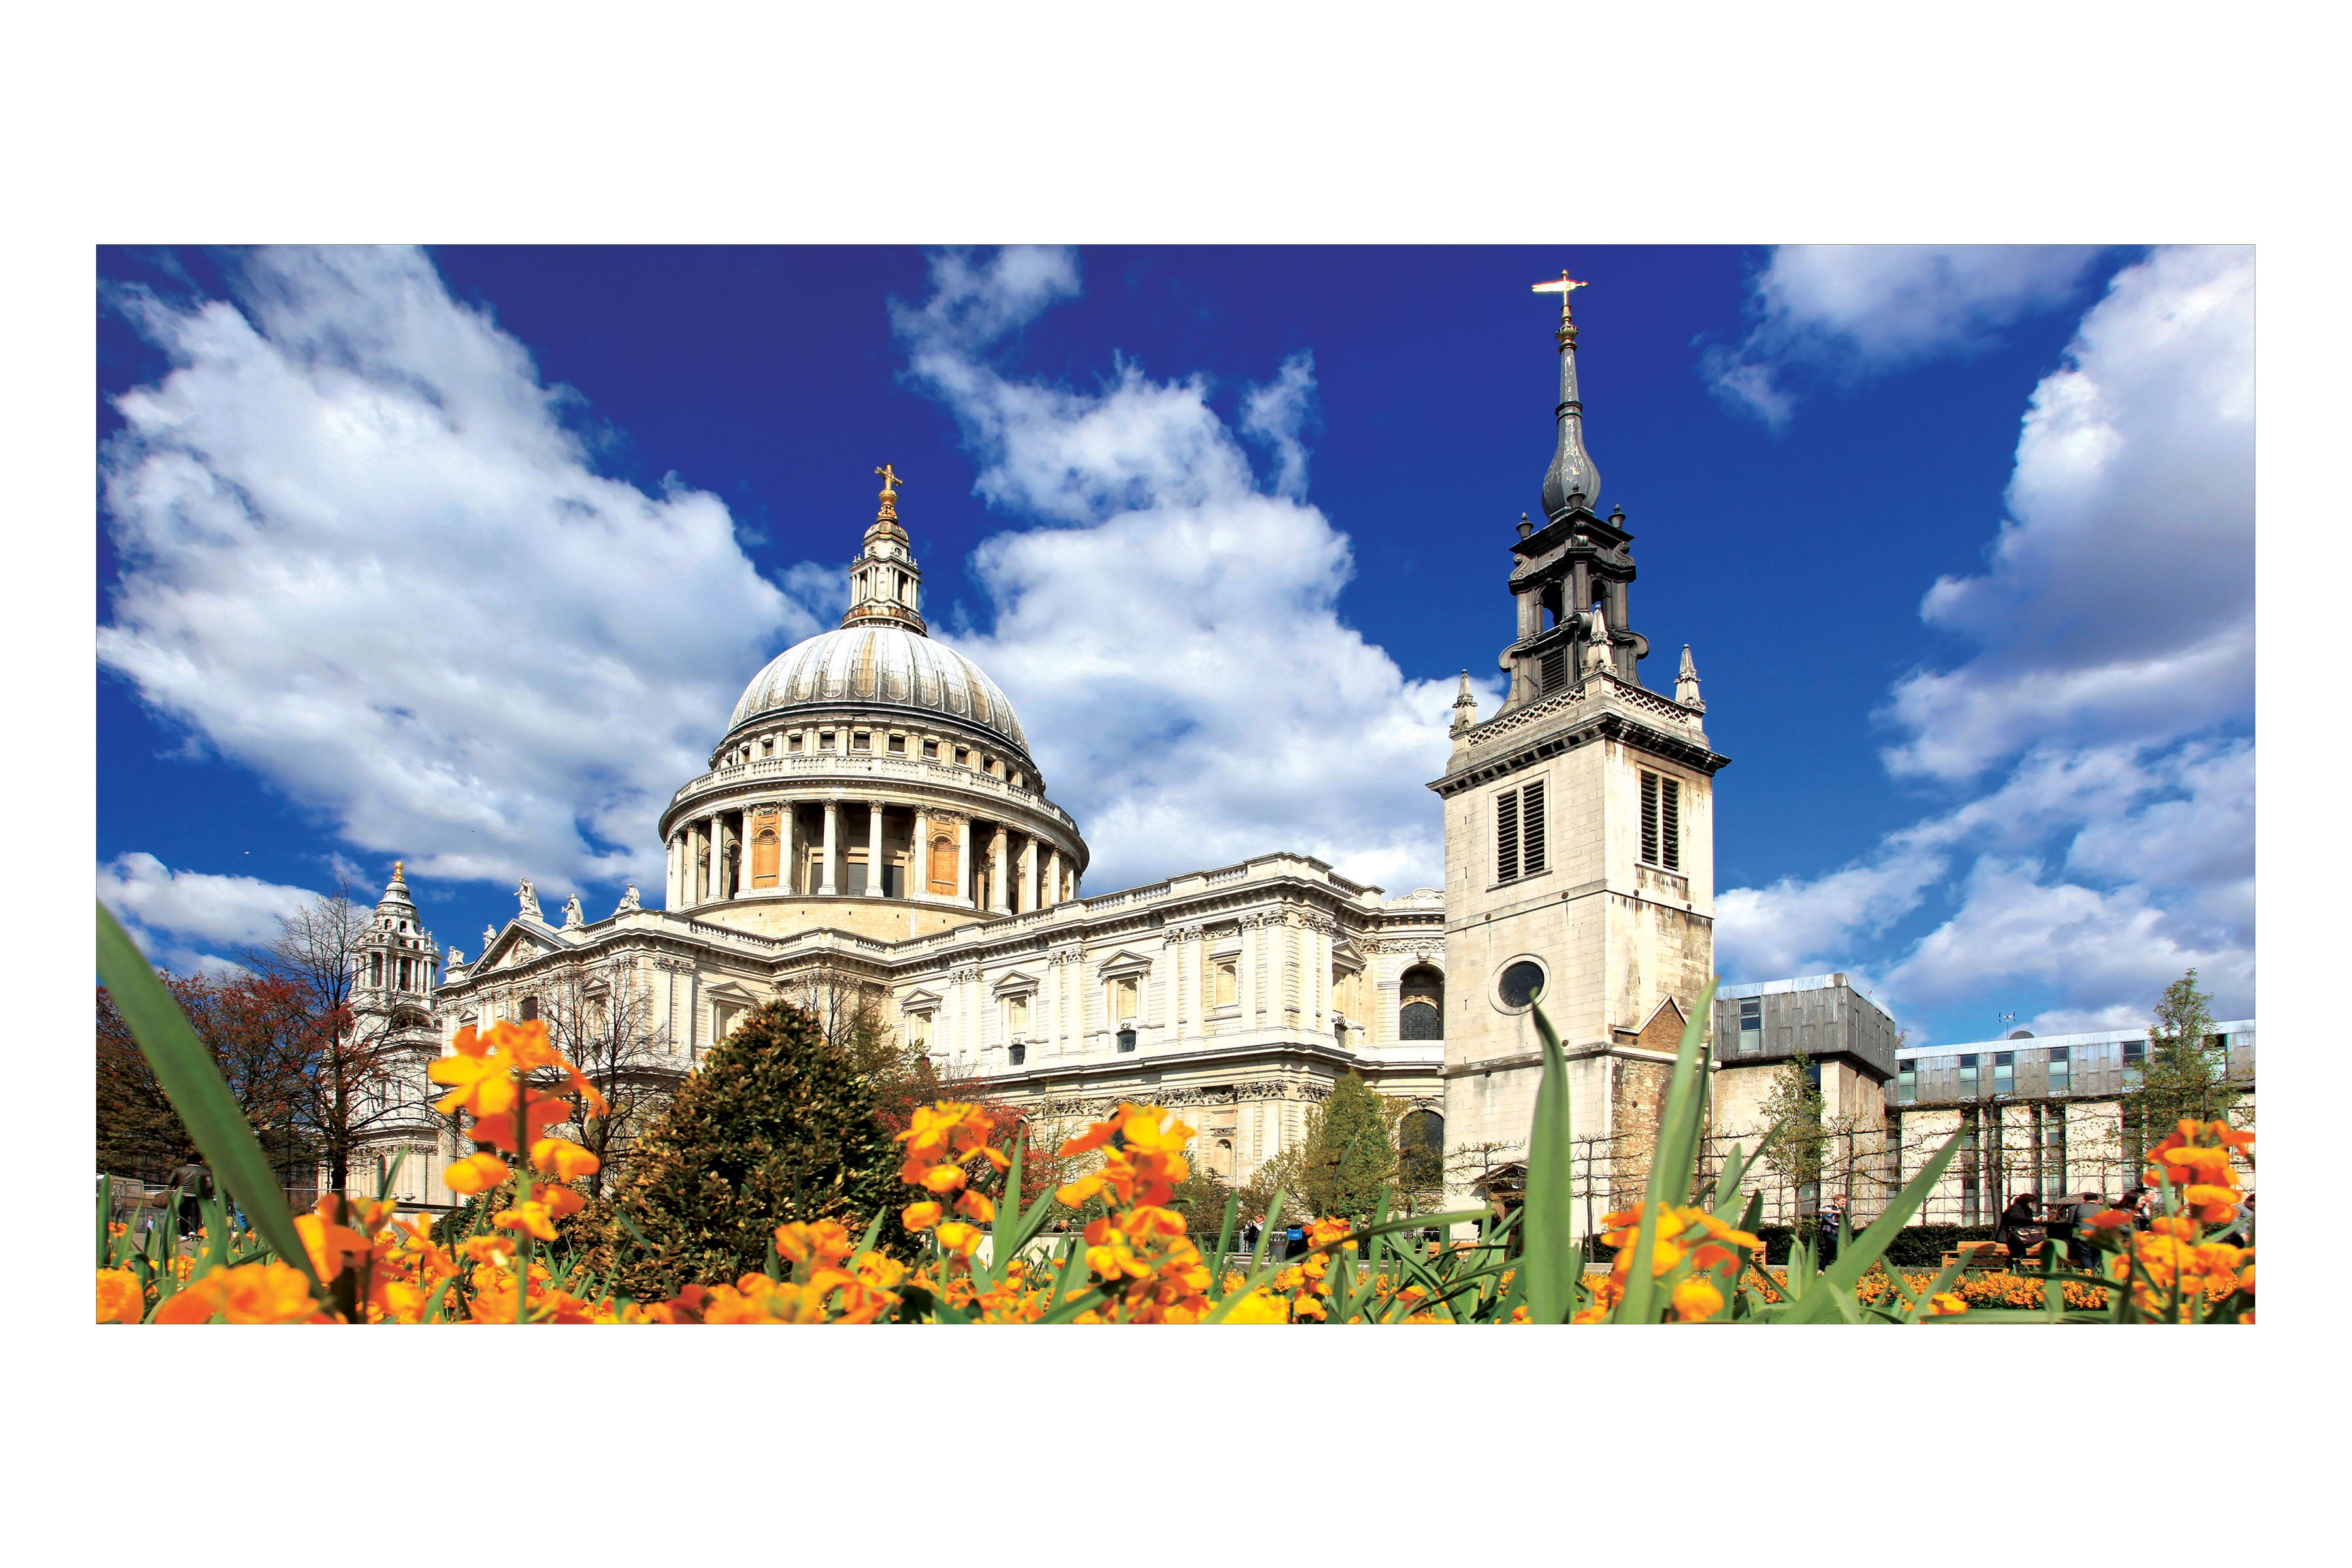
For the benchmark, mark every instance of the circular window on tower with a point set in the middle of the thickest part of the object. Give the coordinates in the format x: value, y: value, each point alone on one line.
x: 1521, y: 984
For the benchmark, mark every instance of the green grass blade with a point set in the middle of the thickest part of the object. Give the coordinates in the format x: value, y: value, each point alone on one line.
x: 105, y: 1218
x: 198, y: 1092
x: 1669, y: 1166
x: 1226, y: 1235
x: 1549, y: 1260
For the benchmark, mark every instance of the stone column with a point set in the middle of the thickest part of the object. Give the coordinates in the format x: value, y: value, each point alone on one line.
x: 830, y: 884
x: 718, y: 878
x: 919, y: 857
x: 1248, y: 976
x: 999, y: 877
x: 1323, y: 978
x: 1029, y: 874
x: 743, y: 881
x: 788, y: 850
x: 670, y: 874
x: 1053, y: 876
x: 963, y: 864
x: 874, y: 849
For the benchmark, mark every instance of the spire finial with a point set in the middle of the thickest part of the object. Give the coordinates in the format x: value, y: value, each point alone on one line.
x: 396, y: 871
x: 1465, y: 707
x: 1686, y: 683
x: 1572, y: 483
x: 891, y: 483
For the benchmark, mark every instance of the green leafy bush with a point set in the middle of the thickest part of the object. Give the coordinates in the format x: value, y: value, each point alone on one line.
x: 776, y: 1124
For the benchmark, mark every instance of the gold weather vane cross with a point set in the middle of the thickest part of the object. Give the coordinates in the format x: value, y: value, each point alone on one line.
x: 1562, y: 286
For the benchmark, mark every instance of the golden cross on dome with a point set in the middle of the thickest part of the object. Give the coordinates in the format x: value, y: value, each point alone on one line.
x: 890, y: 480
x: 1562, y: 286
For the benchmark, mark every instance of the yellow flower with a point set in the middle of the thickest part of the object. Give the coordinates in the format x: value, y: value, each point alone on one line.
x: 921, y: 1216
x: 958, y: 1238
x: 1945, y: 1304
x: 120, y: 1299
x: 1696, y: 1300
x: 475, y: 1174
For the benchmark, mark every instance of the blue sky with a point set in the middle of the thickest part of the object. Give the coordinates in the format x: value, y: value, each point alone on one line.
x: 463, y: 555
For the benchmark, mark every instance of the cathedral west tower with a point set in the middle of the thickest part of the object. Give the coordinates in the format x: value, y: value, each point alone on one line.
x: 1580, y: 862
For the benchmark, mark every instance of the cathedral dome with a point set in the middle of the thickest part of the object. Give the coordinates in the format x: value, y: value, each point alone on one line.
x: 872, y: 661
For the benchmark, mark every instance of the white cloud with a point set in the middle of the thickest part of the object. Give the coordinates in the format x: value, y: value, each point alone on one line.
x: 1845, y: 311
x: 1171, y: 638
x: 176, y: 916
x: 363, y: 555
x: 2111, y: 686
x: 2119, y: 596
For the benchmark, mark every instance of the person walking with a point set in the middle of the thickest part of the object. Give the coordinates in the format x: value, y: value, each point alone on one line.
x: 195, y: 1184
x: 1294, y: 1241
x: 1830, y: 1220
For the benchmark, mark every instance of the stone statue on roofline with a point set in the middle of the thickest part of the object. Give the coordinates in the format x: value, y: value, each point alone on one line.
x: 527, y: 896
x: 575, y: 917
x: 629, y: 901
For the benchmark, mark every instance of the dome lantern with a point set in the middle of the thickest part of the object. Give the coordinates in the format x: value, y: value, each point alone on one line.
x: 885, y: 586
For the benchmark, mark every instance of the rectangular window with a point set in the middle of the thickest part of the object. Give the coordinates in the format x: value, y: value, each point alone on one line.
x: 1016, y: 1014
x: 963, y: 757
x: 1531, y: 829
x: 918, y: 1030
x: 897, y: 745
x: 1968, y: 1079
x: 1016, y: 1054
x: 2004, y: 1072
x: 529, y: 1009
x: 2053, y: 1151
x: 859, y: 741
x: 1751, y: 1027
x: 1662, y: 821
x: 2061, y: 1070
x: 2135, y: 1059
x: 1123, y: 998
x: 1555, y: 670
x: 932, y: 750
x: 793, y: 743
x: 375, y: 969
x: 1225, y: 983
x: 824, y: 741
x: 1907, y: 1083
x: 404, y: 974
x: 1506, y: 835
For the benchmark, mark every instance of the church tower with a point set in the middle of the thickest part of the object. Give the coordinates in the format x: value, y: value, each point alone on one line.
x: 391, y: 991
x: 1580, y: 862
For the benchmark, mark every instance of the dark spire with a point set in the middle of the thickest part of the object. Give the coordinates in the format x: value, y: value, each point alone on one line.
x: 1572, y: 480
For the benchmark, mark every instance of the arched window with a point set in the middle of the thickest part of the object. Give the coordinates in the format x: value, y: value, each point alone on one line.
x: 1421, y: 1005
x: 1420, y: 1148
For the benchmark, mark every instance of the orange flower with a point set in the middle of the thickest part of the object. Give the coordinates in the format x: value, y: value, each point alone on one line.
x: 533, y: 1217
x: 478, y: 1074
x: 475, y: 1174
x: 921, y: 1216
x: 1696, y: 1300
x: 823, y: 1242
x: 251, y: 1293
x: 958, y: 1238
x: 941, y: 1178
x: 1945, y: 1304
x: 544, y: 1112
x: 976, y: 1206
x: 564, y: 1159
x: 120, y: 1299
x: 329, y: 1244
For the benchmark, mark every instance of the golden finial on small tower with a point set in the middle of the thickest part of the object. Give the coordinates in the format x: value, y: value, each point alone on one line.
x: 891, y: 483
x: 396, y: 871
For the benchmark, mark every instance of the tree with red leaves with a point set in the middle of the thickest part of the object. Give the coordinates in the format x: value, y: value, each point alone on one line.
x: 258, y: 1030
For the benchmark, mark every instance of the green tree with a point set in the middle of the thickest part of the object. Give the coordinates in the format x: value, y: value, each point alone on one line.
x: 1348, y: 1153
x: 775, y: 1124
x: 1794, y: 1104
x: 2185, y: 1075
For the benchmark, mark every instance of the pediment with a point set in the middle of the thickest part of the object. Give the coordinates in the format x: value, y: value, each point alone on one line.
x: 1663, y: 1032
x: 1013, y: 983
x: 920, y: 1002
x: 1123, y: 962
